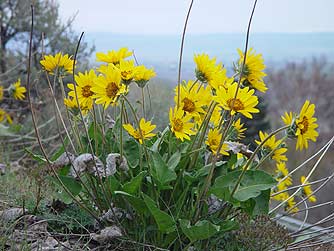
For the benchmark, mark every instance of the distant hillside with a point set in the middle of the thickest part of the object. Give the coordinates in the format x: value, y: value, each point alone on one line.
x: 162, y: 51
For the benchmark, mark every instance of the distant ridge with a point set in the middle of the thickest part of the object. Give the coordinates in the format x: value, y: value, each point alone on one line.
x: 162, y: 51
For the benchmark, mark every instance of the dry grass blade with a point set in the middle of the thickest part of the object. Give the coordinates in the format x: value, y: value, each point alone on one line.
x: 307, y: 177
x: 298, y: 186
x: 308, y: 160
x: 181, y: 53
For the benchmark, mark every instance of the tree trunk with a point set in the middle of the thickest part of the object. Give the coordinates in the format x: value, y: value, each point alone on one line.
x: 3, y: 65
x: 3, y: 41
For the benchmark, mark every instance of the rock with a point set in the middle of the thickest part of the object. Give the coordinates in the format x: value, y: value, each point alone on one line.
x: 49, y: 244
x: 11, y: 214
x: 88, y: 163
x: 114, y: 160
x: 2, y: 169
x: 63, y: 160
x: 214, y: 204
x: 107, y: 234
x: 110, y: 122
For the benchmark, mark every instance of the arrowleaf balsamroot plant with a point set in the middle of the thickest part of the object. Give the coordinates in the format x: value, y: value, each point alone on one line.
x: 165, y: 183
x: 189, y: 184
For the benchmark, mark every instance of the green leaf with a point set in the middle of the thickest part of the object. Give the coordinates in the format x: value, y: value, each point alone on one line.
x: 133, y: 185
x: 73, y: 186
x: 131, y: 151
x: 158, y: 142
x: 61, y: 150
x: 37, y: 157
x: 112, y: 183
x: 160, y: 170
x: 64, y: 171
x: 248, y: 206
x: 232, y: 160
x: 228, y: 225
x: 251, y: 185
x: 165, y: 222
x: 6, y: 132
x: 262, y: 203
x: 200, y: 231
x: 137, y: 203
x: 174, y: 160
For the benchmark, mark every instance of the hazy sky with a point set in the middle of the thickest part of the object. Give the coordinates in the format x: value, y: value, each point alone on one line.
x: 208, y: 16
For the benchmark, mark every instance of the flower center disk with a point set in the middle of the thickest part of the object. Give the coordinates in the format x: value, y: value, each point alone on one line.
x: 303, y: 125
x: 112, y: 90
x: 178, y: 125
x: 235, y: 104
x: 189, y: 106
x: 86, y: 92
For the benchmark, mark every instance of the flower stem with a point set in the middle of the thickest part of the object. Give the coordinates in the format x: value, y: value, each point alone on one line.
x: 253, y: 156
x: 143, y: 102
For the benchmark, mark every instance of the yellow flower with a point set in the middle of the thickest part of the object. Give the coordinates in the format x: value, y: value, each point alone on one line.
x: 84, y: 84
x: 72, y: 104
x: 127, y: 69
x: 180, y: 124
x: 283, y: 172
x: 280, y: 188
x: 213, y: 141
x: 219, y: 79
x: 4, y: 115
x: 108, y: 87
x: 244, y: 102
x: 216, y: 115
x: 306, y: 126
x: 287, y: 118
x: 192, y: 98
x: 239, y: 128
x: 145, y: 131
x: 113, y: 57
x: 253, y: 70
x: 205, y: 67
x: 143, y: 75
x: 17, y: 90
x: 59, y: 62
x: 272, y: 144
x: 291, y: 205
x: 1, y: 92
x: 302, y: 126
x: 307, y: 189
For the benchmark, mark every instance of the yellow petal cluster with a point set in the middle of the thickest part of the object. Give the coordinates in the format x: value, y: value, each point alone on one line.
x: 59, y: 62
x: 213, y: 141
x: 307, y: 190
x: 302, y: 126
x: 180, y: 124
x: 5, y: 116
x: 1, y: 92
x: 143, y: 132
x: 238, y: 127
x: 17, y: 90
x: 193, y: 98
x: 83, y: 87
x: 244, y: 102
x: 72, y: 104
x: 143, y: 75
x: 306, y: 125
x: 108, y: 87
x: 273, y: 145
x: 113, y: 57
x: 205, y: 67
x: 253, y: 70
